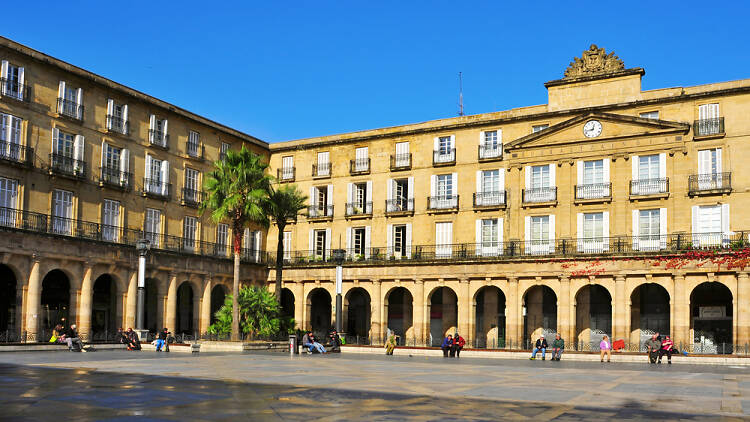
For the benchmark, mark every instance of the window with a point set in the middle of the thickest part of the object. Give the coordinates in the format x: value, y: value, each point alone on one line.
x: 222, y: 239
x: 490, y: 181
x: 443, y: 240
x: 444, y: 145
x: 399, y: 240
x: 361, y: 160
x: 191, y: 193
x: 157, y: 176
x: 402, y: 159
x: 358, y: 241
x: 112, y: 157
x: 62, y: 212
x: 648, y: 167
x: 64, y: 144
x: 10, y: 137
x: 649, y: 174
x: 650, y: 115
x: 539, y: 177
x: 593, y: 179
x: 444, y: 186
x: 158, y: 131
x: 490, y: 145
x: 444, y: 150
x: 321, y: 199
x: 189, y: 230
x: 12, y: 82
x: 223, y: 151
x: 711, y: 225
x: 649, y: 227
x: 443, y: 196
x: 709, y: 169
x: 70, y: 101
x: 8, y: 201
x: 538, y: 128
x: 399, y: 196
x: 117, y: 117
x: 709, y: 122
x: 489, y: 236
x: 489, y: 233
x: 111, y: 220
x: 540, y: 228
x: 540, y: 183
x: 320, y: 243
x: 540, y: 234
x: 324, y: 165
x: 490, y: 139
x: 152, y: 227
x: 193, y: 143
x: 593, y: 225
x: 287, y: 245
x: 593, y: 172
x: 287, y: 168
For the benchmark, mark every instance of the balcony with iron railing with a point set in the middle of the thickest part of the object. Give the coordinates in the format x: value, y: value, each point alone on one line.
x: 117, y: 124
x: 359, y: 166
x: 593, y: 192
x: 191, y: 197
x: 16, y: 153
x: 321, y: 170
x: 15, y: 90
x: 401, y: 162
x: 490, y: 200
x: 69, y: 108
x: 158, y: 138
x: 320, y: 212
x: 442, y: 203
x: 658, y: 187
x: 709, y: 184
x: 444, y: 157
x: 540, y: 196
x: 113, y: 177
x: 489, y: 152
x: 155, y: 188
x: 65, y: 165
x: 399, y: 206
x: 705, y: 128
x: 286, y: 174
x: 194, y: 149
x: 359, y: 209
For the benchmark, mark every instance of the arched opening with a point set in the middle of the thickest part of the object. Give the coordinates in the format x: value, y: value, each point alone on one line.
x: 184, y: 309
x: 152, y: 308
x: 9, y: 324
x: 593, y: 316
x: 104, y: 308
x: 319, y: 301
x: 443, y: 314
x: 399, y: 307
x: 218, y: 295
x: 357, y: 305
x: 490, y: 318
x: 539, y: 313
x: 649, y: 313
x: 55, y: 303
x: 287, y: 303
x: 711, y: 318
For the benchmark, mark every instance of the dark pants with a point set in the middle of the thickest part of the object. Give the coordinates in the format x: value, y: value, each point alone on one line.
x: 446, y: 349
x: 652, y: 355
x: 663, y: 352
x: 456, y: 350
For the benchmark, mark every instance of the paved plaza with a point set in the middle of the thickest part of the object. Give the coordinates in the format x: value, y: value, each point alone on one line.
x: 120, y: 385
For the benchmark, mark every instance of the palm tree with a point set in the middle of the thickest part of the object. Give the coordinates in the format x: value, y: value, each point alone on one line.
x: 283, y: 205
x: 237, y: 188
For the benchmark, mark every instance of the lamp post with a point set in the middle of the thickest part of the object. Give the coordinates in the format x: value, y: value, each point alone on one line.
x: 338, y: 258
x: 143, y: 246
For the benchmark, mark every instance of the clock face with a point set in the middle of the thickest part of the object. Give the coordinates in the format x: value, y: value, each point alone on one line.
x: 592, y: 129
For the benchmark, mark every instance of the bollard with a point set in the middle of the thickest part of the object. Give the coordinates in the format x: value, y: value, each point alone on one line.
x: 195, y: 348
x: 293, y: 348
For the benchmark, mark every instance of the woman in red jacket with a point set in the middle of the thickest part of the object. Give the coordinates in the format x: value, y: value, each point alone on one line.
x: 458, y: 344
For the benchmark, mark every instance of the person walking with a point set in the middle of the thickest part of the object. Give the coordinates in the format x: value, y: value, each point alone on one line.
x: 447, y: 345
x: 72, y: 338
x: 666, y: 349
x: 558, y: 345
x: 540, y: 346
x: 390, y: 345
x: 458, y: 345
x: 605, y: 347
x: 652, y: 346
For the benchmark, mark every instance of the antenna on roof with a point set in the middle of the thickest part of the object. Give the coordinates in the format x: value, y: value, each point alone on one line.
x: 460, y: 95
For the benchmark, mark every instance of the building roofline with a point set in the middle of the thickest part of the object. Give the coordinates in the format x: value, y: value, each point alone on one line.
x: 101, y: 80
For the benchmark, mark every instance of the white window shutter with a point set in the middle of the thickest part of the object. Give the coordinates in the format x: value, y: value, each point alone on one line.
x: 635, y: 229
x: 552, y: 233
x: 55, y: 135
x: 328, y: 242
x: 61, y: 90
x: 21, y: 80
x: 725, y: 219
x: 634, y: 161
x: 433, y: 184
x: 78, y: 145
x: 527, y: 230
x: 704, y: 161
x: 166, y: 122
x: 368, y: 233
x: 662, y: 165
x: 147, y: 171
x: 349, y: 241
x: 663, y: 227
x: 453, y: 141
x: 104, y: 153
x: 501, y: 180
x: 481, y: 137
x: 579, y: 225
x: 389, y: 239
x: 165, y: 177
x: 311, y: 243
x: 152, y: 127
x: 110, y: 112
x: 349, y: 189
x: 329, y: 196
x: 389, y: 190
x: 454, y: 177
x: 694, y: 218
x: 500, y: 235
x: 718, y: 160
x: 313, y: 196
x: 79, y: 101
x: 605, y: 230
x: 527, y: 177
x: 552, y: 182
x: 368, y: 194
x: 410, y: 187
x: 605, y: 170
x: 436, y: 143
x: 579, y: 177
x: 479, y: 183
x: 124, y: 117
x: 4, y: 69
x: 124, y: 166
x: 478, y: 236
x: 408, y: 239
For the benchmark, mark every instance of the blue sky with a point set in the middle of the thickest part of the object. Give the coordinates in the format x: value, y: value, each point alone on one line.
x: 287, y: 70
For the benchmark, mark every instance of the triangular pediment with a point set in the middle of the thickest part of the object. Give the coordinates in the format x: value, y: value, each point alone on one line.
x: 614, y: 127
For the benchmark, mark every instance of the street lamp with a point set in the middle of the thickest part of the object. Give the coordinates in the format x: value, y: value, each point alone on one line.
x: 338, y: 258
x: 143, y: 246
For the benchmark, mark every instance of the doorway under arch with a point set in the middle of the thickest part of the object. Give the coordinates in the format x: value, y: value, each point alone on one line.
x: 400, y: 313
x: 104, y: 308
x: 443, y: 314
x: 184, y: 309
x: 55, y: 303
x: 539, y: 313
x: 319, y: 301
x: 151, y: 313
x: 357, y: 306
x: 9, y: 306
x: 490, y: 318
x: 649, y: 313
x: 711, y: 314
x: 218, y: 296
x: 593, y: 316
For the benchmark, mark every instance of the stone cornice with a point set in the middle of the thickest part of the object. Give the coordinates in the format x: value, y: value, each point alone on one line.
x: 620, y: 73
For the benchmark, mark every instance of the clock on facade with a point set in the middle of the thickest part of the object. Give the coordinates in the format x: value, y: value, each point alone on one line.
x: 592, y: 129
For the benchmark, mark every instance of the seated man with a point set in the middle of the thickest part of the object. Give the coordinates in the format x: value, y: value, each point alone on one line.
x: 540, y: 346
x: 458, y: 345
x: 335, y: 341
x: 447, y: 345
x: 558, y: 344
x: 134, y: 343
x: 308, y: 341
x: 71, y: 337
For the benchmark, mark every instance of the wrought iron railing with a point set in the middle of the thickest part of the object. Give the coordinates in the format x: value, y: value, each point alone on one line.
x: 442, y: 202
x: 490, y: 199
x: 69, y: 108
x: 320, y: 211
x: 444, y: 156
x: 156, y: 187
x: 158, y: 138
x: 401, y: 161
x: 399, y: 205
x: 359, y: 166
x: 487, y: 151
x: 649, y: 186
x: 191, y: 197
x: 547, y: 194
x: 707, y: 127
x: 286, y: 174
x: 17, y: 153
x: 64, y: 164
x: 321, y: 170
x: 115, y: 177
x: 14, y: 89
x: 709, y: 182
x: 358, y: 208
x: 593, y: 191
x: 118, y: 124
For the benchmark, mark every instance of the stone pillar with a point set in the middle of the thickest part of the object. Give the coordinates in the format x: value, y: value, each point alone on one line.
x: 74, y: 304
x: 420, y: 317
x: 197, y: 303
x: 84, y: 313
x: 464, y: 306
x: 743, y: 314
x: 299, y: 304
x: 130, y: 306
x: 376, y: 314
x: 619, y: 325
x: 565, y: 325
x: 513, y: 319
x: 33, y: 300
x: 205, y: 319
x: 120, y: 309
x: 171, y: 311
x: 681, y: 312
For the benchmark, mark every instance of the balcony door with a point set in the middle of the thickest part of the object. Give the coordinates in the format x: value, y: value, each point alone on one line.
x: 8, y: 201
x: 110, y: 220
x: 62, y: 212
x: 709, y: 169
x: 443, y: 240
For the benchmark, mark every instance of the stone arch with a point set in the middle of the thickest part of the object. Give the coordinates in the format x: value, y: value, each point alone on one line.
x: 398, y: 309
x: 119, y: 281
x: 287, y: 303
x: 490, y: 305
x: 442, y: 302
x: 319, y: 306
x: 219, y: 293
x: 593, y: 306
x: 185, y: 314
x: 357, y: 313
x: 649, y: 312
x: 539, y: 310
x: 56, y: 302
x: 10, y: 304
x: 104, y: 309
x: 711, y: 318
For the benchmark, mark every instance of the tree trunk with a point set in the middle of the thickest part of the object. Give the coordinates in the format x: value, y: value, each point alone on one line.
x: 236, y: 286
x: 279, y: 262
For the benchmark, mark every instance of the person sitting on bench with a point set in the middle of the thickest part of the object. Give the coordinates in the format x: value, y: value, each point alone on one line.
x: 71, y: 337
x: 335, y: 341
x: 308, y: 341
